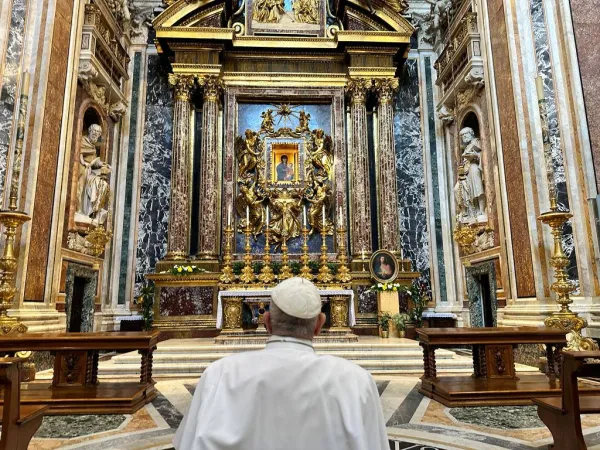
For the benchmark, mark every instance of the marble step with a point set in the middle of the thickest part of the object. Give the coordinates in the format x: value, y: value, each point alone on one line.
x: 164, y: 357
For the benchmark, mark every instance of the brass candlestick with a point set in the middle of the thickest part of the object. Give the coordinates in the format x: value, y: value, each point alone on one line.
x: 266, y: 273
x: 227, y: 275
x: 305, y: 271
x: 565, y: 319
x: 247, y: 275
x: 343, y: 273
x: 286, y: 271
x: 12, y: 220
x: 325, y: 275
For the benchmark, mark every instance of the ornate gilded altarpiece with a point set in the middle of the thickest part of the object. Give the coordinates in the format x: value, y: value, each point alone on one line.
x: 283, y: 88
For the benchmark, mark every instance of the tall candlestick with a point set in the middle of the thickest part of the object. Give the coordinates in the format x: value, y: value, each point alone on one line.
x: 539, y: 84
x: 247, y: 216
x: 25, y: 83
x: 267, y: 216
x: 363, y: 254
x: 401, y: 253
x: 304, y: 216
x: 323, y: 216
x: 229, y: 216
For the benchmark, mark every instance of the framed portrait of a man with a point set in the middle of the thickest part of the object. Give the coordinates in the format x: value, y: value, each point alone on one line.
x: 383, y: 266
x: 284, y: 164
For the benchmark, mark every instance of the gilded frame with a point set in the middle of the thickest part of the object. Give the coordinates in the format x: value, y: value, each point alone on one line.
x: 390, y: 258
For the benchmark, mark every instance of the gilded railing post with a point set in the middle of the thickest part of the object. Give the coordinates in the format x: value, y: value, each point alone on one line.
x: 208, y: 223
x: 361, y: 233
x: 177, y: 243
x: 387, y: 192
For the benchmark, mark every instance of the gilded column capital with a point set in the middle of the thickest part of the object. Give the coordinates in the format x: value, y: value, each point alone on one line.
x: 357, y: 89
x: 385, y: 88
x: 183, y: 84
x: 213, y: 86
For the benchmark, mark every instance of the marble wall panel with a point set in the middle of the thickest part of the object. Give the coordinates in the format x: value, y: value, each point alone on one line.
x: 366, y: 299
x: 586, y: 17
x: 155, y: 188
x: 410, y: 170
x: 515, y: 190
x: 544, y: 64
x: 133, y: 132
x: 44, y: 207
x: 186, y: 301
x: 8, y: 93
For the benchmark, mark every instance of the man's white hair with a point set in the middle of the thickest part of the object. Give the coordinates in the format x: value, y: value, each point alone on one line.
x: 283, y: 324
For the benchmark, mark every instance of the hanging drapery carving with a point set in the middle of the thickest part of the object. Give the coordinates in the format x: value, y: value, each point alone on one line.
x: 208, y: 223
x: 387, y: 191
x: 361, y: 233
x: 177, y: 245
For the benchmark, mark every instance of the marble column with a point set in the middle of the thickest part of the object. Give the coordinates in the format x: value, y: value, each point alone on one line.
x: 387, y: 191
x: 360, y: 220
x: 178, y: 239
x: 208, y: 221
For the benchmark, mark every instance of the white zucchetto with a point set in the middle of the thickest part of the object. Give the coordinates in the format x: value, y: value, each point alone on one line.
x: 297, y: 297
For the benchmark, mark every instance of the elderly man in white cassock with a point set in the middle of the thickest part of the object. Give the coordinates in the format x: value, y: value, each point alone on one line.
x: 285, y: 397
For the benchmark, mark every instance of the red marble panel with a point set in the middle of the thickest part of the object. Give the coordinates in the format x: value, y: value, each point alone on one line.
x: 186, y: 301
x: 510, y: 146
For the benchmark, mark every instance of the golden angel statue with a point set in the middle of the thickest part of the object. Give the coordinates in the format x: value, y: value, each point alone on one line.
x: 321, y: 153
x: 319, y: 200
x: 249, y: 150
x: 284, y: 221
x: 249, y: 205
x: 304, y: 120
x: 267, y: 121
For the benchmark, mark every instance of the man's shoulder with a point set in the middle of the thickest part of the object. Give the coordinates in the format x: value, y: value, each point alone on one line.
x: 345, y: 367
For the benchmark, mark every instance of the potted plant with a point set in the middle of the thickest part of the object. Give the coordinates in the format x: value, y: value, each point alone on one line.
x: 384, y: 324
x: 400, y: 322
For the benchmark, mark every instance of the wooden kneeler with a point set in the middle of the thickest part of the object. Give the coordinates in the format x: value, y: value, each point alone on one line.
x: 19, y: 422
x: 562, y: 414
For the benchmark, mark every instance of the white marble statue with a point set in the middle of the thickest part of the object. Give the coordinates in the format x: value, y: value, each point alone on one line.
x: 471, y: 154
x: 93, y: 191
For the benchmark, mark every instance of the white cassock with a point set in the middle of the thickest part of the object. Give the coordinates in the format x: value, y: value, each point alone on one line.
x: 285, y: 397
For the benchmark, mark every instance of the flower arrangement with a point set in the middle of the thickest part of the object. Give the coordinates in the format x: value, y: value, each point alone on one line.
x: 146, y: 302
x: 184, y: 270
x: 391, y: 287
x: 384, y: 321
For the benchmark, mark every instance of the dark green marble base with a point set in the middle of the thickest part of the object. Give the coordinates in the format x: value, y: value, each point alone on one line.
x: 503, y: 417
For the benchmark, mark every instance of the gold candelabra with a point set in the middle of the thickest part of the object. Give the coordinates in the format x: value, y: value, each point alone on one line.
x: 266, y: 273
x: 227, y: 275
x: 286, y: 271
x: 12, y: 220
x: 564, y: 319
x: 343, y: 272
x: 305, y: 271
x: 325, y: 275
x: 247, y: 275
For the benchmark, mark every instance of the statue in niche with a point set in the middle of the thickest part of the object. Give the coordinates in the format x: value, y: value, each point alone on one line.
x: 93, y: 191
x: 285, y: 209
x: 267, y: 121
x: 249, y: 204
x: 473, y: 188
x: 249, y: 151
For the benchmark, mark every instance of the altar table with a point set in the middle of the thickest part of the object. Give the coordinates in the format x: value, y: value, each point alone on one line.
x: 341, y: 300
x: 494, y: 381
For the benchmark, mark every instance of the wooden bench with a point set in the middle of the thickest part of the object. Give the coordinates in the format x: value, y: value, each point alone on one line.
x: 75, y: 388
x: 19, y: 422
x: 562, y: 414
x: 494, y: 381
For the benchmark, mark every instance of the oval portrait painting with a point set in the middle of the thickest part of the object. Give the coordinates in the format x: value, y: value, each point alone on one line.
x: 384, y: 266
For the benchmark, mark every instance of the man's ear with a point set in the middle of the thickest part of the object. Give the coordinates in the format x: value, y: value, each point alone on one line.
x: 267, y: 319
x: 320, y: 322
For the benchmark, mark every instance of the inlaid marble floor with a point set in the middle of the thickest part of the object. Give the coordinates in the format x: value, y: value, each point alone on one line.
x: 414, y: 422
